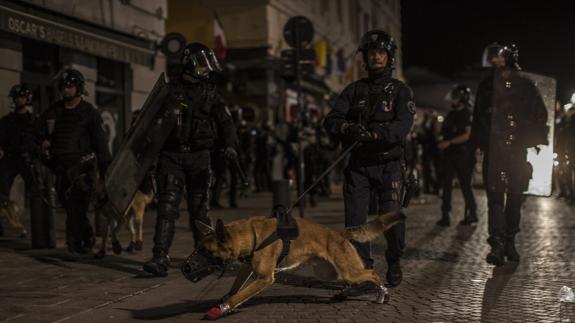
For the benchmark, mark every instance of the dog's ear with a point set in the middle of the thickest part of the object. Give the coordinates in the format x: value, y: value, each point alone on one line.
x: 203, y: 228
x: 220, y: 231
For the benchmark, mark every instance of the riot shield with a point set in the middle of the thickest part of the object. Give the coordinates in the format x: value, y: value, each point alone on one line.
x: 140, y: 147
x: 520, y: 154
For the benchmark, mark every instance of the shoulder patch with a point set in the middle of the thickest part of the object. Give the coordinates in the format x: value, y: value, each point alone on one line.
x: 411, y: 107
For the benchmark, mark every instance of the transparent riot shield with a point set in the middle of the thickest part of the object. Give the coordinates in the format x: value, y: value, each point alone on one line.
x: 140, y: 147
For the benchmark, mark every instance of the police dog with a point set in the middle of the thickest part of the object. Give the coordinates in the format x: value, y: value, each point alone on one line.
x: 242, y: 239
x: 11, y: 212
x: 134, y: 218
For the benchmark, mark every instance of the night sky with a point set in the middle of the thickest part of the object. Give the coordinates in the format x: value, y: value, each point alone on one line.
x: 449, y: 36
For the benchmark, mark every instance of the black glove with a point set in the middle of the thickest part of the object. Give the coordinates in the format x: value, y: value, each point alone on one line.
x: 357, y: 132
x: 230, y: 153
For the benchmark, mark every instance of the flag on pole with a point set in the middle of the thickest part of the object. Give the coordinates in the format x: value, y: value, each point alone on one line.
x: 320, y: 52
x: 221, y: 44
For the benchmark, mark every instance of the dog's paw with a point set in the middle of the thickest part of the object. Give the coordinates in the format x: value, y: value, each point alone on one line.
x: 217, y: 312
x: 131, y: 247
x: 116, y: 247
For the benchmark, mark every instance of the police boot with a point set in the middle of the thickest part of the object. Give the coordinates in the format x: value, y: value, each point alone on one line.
x: 497, y: 254
x: 394, y: 276
x: 159, y: 264
x: 444, y: 221
x: 510, y: 251
x: 469, y: 218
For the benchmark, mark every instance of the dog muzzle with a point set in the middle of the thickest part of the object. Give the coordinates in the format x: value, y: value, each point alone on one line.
x: 200, y: 264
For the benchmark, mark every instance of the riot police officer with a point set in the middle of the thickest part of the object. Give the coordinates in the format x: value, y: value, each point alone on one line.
x: 457, y: 157
x: 19, y: 146
x: 378, y: 111
x: 77, y: 149
x: 184, y: 162
x: 509, y: 116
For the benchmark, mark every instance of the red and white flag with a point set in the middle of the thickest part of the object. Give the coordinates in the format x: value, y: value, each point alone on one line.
x: 220, y: 38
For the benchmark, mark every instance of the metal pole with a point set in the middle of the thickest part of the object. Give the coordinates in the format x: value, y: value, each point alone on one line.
x: 301, y: 164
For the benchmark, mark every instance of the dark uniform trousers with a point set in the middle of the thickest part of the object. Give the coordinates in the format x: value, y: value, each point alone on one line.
x: 176, y: 173
x: 458, y: 164
x: 75, y: 183
x: 41, y: 215
x: 504, y: 209
x: 385, y: 179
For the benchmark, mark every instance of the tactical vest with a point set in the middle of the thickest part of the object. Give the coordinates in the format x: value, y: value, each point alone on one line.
x: 69, y: 132
x: 376, y: 107
x: 195, y: 128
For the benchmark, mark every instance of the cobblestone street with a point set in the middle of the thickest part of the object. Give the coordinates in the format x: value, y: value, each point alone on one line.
x: 445, y: 276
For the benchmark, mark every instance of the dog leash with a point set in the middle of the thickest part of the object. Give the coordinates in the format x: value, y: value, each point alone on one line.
x: 321, y: 177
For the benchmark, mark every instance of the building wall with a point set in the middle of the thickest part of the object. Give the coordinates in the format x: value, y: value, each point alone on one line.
x: 10, y: 68
x: 142, y: 18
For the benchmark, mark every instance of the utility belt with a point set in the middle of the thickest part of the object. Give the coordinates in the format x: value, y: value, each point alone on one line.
x: 72, y: 164
x: 186, y: 148
x: 365, y: 156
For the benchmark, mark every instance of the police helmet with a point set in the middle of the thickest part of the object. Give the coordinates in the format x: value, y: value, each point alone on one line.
x: 460, y: 94
x: 72, y: 77
x: 21, y: 90
x: 199, y: 55
x: 508, y: 51
x: 377, y: 39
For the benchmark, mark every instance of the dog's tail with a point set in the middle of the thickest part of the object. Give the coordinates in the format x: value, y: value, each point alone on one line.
x: 373, y: 228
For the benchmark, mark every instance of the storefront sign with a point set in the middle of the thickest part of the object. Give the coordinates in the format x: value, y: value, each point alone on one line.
x: 59, y: 33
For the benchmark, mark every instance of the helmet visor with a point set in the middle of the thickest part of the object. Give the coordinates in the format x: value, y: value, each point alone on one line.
x: 489, y: 53
x: 206, y: 59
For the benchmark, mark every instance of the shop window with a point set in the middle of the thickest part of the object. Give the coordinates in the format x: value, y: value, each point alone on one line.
x: 40, y: 66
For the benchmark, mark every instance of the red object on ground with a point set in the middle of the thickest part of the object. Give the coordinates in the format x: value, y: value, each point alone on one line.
x: 214, y: 313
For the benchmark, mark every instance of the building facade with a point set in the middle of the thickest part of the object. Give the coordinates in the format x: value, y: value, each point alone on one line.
x: 113, y: 43
x: 254, y: 34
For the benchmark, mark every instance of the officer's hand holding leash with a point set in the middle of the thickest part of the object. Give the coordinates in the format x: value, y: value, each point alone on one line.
x: 357, y: 132
x: 232, y: 155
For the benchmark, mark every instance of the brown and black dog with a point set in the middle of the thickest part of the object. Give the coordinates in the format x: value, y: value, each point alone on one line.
x: 134, y: 218
x: 241, y: 239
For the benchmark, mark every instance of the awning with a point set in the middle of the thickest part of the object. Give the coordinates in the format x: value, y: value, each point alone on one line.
x: 67, y: 32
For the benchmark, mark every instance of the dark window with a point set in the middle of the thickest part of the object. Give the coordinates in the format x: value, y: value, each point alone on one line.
x: 110, y: 99
x: 40, y: 66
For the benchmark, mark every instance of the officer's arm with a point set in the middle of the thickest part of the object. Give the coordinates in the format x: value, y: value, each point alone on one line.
x: 99, y: 142
x: 464, y: 137
x: 225, y: 124
x: 399, y: 128
x: 336, y: 118
x: 461, y: 138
